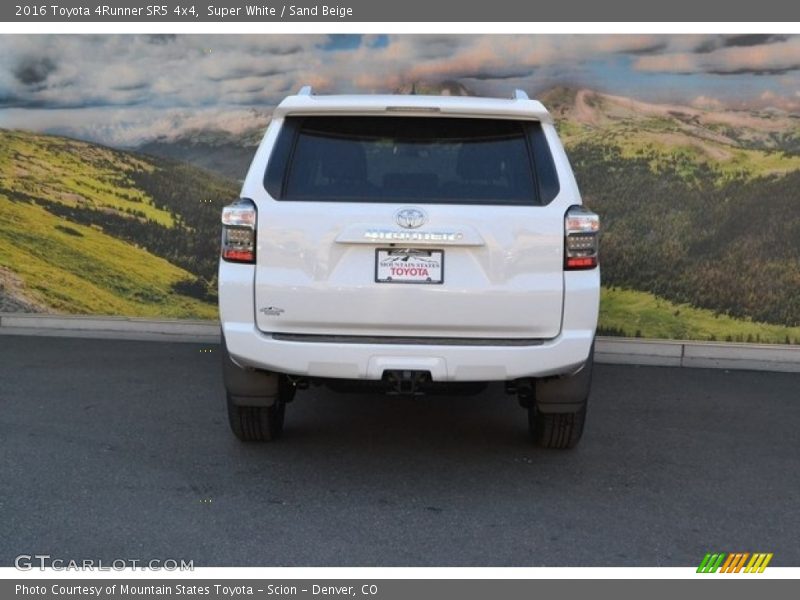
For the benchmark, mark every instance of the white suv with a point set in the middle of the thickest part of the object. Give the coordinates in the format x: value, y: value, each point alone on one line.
x: 409, y: 244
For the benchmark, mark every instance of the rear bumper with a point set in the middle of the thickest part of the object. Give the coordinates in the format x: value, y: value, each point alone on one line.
x: 564, y: 354
x: 251, y: 348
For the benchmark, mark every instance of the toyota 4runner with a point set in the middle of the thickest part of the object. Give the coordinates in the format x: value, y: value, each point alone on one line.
x: 409, y: 244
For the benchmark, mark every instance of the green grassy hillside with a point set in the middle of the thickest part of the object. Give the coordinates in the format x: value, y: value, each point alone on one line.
x: 733, y: 249
x: 630, y: 313
x: 77, y: 174
x: 89, y: 230
x: 700, y: 213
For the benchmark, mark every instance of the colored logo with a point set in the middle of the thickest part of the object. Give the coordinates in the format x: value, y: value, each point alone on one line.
x: 735, y: 562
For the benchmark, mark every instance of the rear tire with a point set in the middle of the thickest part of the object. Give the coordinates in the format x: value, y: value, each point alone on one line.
x: 558, y: 431
x: 256, y: 400
x: 260, y: 423
x: 557, y: 408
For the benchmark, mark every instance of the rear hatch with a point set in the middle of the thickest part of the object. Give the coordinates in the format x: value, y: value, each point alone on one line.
x: 410, y: 226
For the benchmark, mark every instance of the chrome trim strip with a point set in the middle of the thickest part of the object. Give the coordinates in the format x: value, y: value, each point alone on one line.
x: 404, y: 340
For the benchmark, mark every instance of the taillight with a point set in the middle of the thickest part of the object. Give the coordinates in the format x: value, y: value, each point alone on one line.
x: 581, y: 237
x: 239, y: 232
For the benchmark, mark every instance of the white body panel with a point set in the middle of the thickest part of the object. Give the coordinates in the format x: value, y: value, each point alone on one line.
x: 564, y: 354
x: 503, y: 274
x: 510, y: 286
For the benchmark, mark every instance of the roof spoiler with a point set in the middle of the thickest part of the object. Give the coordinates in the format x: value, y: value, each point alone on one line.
x: 517, y: 95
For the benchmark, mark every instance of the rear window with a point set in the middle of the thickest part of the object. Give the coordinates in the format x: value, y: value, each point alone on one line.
x: 415, y: 159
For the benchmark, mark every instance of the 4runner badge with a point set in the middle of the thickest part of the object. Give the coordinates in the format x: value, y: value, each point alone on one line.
x: 410, y: 218
x: 272, y: 311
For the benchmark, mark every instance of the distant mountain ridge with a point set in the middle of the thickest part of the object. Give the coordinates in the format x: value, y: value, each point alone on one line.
x: 732, y: 141
x: 229, y: 159
x: 229, y: 155
x: 735, y: 138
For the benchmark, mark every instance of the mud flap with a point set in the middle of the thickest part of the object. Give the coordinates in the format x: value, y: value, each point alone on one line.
x: 248, y: 387
x: 565, y: 394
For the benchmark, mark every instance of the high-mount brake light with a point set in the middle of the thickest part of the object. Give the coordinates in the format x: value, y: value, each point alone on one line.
x: 239, y: 232
x: 581, y: 237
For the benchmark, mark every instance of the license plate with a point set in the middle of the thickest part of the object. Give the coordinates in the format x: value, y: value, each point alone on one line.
x: 409, y: 265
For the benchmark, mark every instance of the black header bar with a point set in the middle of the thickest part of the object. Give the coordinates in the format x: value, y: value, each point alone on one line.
x: 173, y: 11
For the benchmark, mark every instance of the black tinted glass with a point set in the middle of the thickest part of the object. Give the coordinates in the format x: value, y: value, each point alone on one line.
x: 419, y: 159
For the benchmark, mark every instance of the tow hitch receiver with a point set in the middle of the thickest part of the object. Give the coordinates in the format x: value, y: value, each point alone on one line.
x: 406, y: 383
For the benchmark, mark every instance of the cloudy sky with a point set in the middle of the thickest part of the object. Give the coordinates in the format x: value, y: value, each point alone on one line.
x: 128, y: 89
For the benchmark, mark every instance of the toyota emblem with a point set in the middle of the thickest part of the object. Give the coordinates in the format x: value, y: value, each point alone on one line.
x: 410, y: 218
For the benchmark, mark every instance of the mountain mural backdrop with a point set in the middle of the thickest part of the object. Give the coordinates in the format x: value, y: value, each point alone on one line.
x: 110, y: 198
